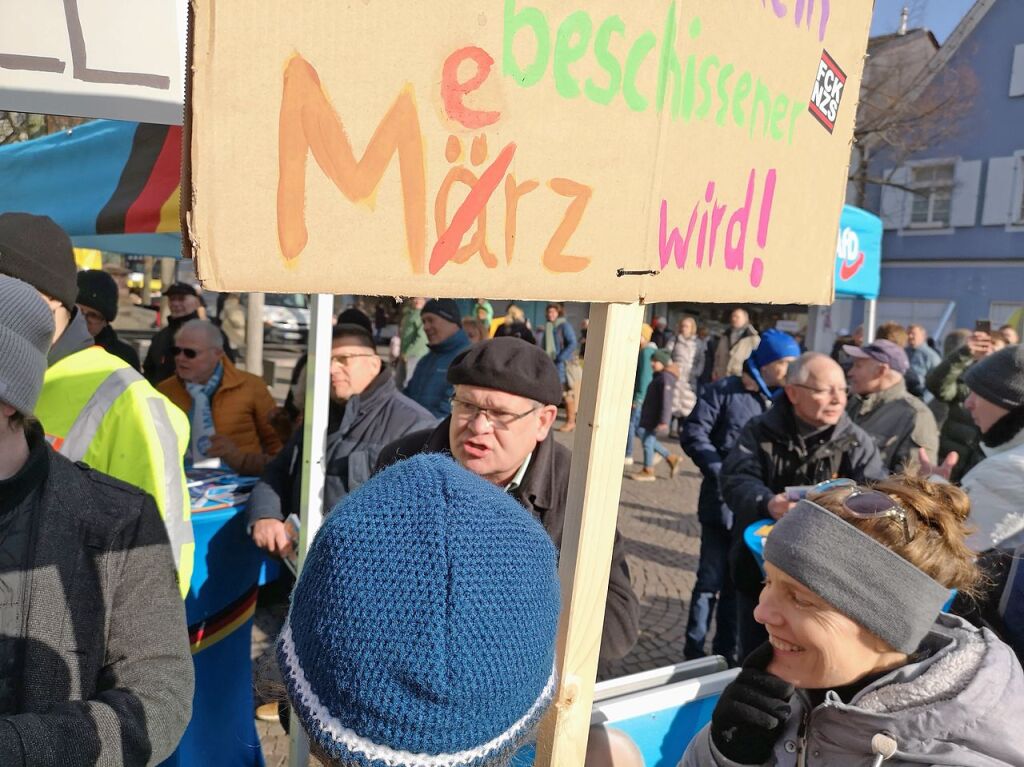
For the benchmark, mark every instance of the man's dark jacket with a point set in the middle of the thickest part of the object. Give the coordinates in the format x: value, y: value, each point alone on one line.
x: 107, y: 677
x: 656, y: 408
x: 356, y: 434
x: 543, y: 492
x: 770, y: 455
x: 709, y: 433
x: 108, y: 339
x: 159, y: 364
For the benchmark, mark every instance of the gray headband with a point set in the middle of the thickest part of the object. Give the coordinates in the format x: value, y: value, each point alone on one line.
x: 856, y: 574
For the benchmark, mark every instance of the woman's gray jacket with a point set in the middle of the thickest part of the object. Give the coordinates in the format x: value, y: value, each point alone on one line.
x: 961, y: 705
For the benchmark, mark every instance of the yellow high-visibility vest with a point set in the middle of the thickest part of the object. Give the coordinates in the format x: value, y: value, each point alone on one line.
x: 97, y: 409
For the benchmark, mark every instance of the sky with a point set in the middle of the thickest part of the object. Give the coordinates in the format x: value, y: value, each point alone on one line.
x: 940, y: 16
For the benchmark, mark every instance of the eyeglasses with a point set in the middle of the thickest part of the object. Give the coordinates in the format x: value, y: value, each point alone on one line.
x: 831, y: 391
x: 343, y: 359
x: 865, y: 503
x: 190, y: 354
x: 498, y: 419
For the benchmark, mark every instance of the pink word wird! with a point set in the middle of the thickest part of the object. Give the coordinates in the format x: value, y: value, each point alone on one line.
x: 674, y: 246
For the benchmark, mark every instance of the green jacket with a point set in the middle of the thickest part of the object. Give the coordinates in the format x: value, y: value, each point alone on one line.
x: 644, y: 374
x: 958, y: 432
x: 414, y: 340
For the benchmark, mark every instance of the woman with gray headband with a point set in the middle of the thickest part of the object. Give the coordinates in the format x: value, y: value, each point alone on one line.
x: 862, y: 667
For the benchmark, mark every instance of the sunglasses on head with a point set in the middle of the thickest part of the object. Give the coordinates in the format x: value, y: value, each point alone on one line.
x: 865, y: 503
x: 190, y: 354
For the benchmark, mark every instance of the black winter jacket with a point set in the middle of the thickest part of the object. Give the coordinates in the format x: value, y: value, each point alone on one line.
x: 771, y: 455
x: 543, y: 492
x: 709, y: 433
x: 357, y: 433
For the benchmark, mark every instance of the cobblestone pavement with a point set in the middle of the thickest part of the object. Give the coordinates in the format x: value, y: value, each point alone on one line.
x: 659, y: 523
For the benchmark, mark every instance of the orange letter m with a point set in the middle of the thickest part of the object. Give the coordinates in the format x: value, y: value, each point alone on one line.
x: 309, y: 122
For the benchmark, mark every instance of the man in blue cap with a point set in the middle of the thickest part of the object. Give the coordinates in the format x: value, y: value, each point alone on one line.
x: 707, y: 436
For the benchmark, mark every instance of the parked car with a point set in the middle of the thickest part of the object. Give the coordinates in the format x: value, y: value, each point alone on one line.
x: 285, y: 317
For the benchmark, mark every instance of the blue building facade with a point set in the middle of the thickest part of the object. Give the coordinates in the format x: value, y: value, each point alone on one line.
x: 953, y: 250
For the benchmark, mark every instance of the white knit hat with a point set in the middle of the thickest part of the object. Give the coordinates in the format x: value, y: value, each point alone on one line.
x: 26, y: 332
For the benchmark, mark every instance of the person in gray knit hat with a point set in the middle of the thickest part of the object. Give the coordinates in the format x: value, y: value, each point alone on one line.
x: 996, y: 485
x: 862, y: 664
x: 95, y: 665
x: 26, y: 330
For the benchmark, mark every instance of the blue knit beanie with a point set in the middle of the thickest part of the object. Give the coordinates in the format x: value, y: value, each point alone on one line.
x: 422, y: 629
x: 774, y: 345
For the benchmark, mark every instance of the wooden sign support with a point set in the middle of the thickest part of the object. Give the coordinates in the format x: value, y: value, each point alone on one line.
x: 595, y: 482
x: 314, y: 437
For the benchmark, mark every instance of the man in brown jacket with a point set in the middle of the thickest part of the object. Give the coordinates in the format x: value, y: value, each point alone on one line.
x: 227, y: 408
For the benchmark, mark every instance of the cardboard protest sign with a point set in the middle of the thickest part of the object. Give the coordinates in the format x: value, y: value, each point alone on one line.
x: 524, y: 148
x: 120, y: 59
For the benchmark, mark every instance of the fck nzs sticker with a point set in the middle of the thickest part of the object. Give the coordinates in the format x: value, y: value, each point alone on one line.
x: 828, y: 92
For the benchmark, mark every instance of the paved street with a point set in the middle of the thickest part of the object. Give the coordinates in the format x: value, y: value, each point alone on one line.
x: 659, y: 522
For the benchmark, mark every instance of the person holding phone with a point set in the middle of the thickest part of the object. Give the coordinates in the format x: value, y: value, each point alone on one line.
x: 856, y: 676
x: 959, y: 435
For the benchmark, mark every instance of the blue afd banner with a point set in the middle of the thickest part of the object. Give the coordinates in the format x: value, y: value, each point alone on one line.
x: 858, y: 254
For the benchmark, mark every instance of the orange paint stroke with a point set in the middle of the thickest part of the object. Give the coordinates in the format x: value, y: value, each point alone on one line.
x: 554, y: 259
x: 513, y: 193
x: 448, y: 244
x: 308, y: 122
x: 478, y: 244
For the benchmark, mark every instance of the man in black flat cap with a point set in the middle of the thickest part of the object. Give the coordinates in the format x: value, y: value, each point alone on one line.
x: 506, y: 398
x: 183, y: 302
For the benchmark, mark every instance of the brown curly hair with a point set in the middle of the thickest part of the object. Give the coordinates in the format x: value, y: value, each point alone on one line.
x: 938, y: 516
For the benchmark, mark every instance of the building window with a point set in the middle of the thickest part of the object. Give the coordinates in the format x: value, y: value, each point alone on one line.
x: 933, y: 195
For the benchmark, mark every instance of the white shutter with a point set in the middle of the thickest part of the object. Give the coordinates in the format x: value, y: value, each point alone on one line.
x: 1017, y: 73
x: 999, y: 189
x: 966, y: 183
x: 894, y: 201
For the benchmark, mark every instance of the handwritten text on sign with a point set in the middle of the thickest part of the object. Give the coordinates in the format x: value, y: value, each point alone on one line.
x: 668, y: 138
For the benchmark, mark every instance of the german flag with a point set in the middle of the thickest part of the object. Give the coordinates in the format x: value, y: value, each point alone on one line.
x: 216, y: 627
x: 146, y: 198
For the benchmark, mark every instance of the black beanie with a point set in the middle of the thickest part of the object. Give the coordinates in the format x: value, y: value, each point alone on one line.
x: 510, y: 365
x: 98, y: 291
x: 356, y: 317
x: 999, y: 377
x: 37, y: 251
x: 445, y: 308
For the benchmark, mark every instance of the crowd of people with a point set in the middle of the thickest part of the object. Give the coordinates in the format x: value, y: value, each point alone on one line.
x: 424, y: 621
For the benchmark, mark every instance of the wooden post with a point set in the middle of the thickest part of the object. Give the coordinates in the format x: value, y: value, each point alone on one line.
x: 595, y: 481
x: 314, y: 436
x: 147, y: 275
x: 254, y: 335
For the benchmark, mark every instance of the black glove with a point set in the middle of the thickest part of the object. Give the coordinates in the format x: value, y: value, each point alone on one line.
x: 751, y: 712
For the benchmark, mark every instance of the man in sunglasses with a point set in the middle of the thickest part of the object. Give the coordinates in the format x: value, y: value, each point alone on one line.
x: 229, y: 409
x: 900, y: 423
x: 506, y: 398
x: 183, y: 304
x: 367, y: 411
x: 805, y: 438
x: 94, y: 407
